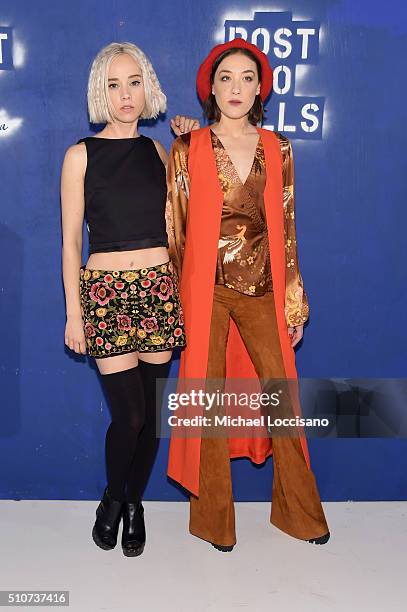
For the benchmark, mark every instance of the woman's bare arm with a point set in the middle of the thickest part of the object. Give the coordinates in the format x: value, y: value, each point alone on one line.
x: 161, y: 152
x: 73, y: 207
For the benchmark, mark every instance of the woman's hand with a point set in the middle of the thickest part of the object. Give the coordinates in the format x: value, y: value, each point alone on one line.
x: 295, y: 333
x: 183, y: 125
x: 74, y: 335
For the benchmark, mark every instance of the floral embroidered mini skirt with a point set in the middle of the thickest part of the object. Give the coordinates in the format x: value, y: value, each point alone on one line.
x: 131, y: 310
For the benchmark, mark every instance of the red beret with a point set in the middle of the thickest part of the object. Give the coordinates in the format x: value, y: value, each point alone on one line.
x: 203, y: 77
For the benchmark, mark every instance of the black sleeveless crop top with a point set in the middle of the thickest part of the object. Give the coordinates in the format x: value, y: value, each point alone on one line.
x: 125, y: 193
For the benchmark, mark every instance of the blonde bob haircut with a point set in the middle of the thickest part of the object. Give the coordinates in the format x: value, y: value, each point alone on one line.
x: 99, y: 105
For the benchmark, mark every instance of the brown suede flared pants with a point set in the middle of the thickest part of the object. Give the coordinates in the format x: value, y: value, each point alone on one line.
x: 296, y: 507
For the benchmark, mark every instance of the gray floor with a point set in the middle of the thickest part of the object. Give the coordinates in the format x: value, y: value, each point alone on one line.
x: 47, y: 545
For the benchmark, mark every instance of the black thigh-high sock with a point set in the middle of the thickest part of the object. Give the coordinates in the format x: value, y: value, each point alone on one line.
x: 127, y: 406
x: 148, y: 442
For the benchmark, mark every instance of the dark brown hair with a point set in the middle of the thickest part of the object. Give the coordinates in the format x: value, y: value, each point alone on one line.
x: 210, y: 107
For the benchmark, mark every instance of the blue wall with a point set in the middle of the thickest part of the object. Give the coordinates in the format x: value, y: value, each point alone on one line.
x: 351, y: 218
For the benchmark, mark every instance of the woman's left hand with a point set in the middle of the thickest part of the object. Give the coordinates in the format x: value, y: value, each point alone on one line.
x: 182, y: 125
x: 295, y: 333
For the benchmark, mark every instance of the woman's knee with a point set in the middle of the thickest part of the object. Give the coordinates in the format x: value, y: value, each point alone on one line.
x: 129, y: 423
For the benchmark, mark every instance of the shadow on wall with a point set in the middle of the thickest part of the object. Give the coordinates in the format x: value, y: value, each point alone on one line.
x: 356, y: 408
x: 11, y: 254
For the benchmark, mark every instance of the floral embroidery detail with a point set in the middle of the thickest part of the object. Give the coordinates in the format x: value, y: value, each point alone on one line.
x: 150, y: 324
x: 156, y: 340
x: 129, y: 310
x: 121, y: 340
x: 101, y: 293
x: 130, y: 276
x: 123, y: 322
x: 89, y: 330
x: 164, y: 288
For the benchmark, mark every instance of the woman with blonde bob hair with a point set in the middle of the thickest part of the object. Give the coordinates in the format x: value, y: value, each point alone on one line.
x: 100, y: 106
x: 123, y: 306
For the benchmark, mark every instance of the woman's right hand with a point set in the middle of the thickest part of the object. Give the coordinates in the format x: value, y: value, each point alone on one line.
x: 183, y: 124
x: 75, y: 335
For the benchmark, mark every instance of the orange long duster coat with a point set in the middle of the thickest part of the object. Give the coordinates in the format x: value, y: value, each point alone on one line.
x: 193, y: 230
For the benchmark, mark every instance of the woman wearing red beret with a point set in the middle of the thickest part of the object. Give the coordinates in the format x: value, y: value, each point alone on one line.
x: 230, y: 220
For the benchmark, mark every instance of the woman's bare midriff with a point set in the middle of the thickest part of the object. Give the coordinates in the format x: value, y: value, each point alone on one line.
x: 128, y: 260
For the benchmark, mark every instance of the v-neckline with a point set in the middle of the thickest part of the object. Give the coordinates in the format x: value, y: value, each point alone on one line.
x: 231, y: 162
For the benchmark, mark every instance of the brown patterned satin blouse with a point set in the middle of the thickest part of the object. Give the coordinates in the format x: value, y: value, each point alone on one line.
x: 243, y: 261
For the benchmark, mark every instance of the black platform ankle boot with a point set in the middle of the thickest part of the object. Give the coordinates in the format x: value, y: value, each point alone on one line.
x: 223, y: 548
x: 108, y: 515
x: 134, y: 531
x: 321, y: 540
